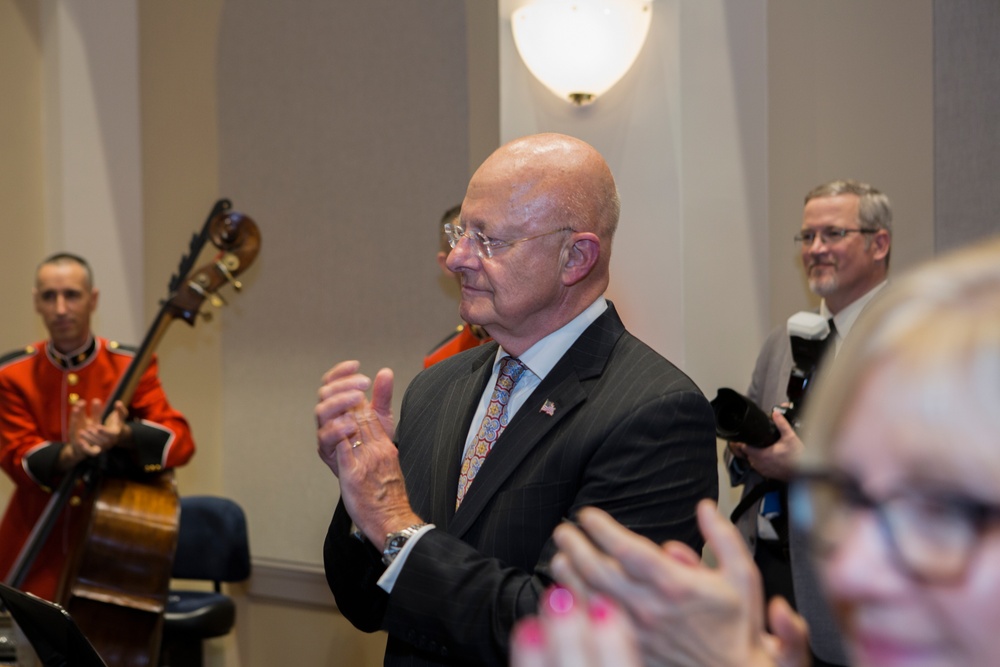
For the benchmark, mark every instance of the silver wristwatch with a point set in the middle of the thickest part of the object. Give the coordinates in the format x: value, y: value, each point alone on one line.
x: 394, y: 542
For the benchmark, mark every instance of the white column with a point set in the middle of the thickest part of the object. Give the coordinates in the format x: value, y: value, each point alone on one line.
x: 93, y: 165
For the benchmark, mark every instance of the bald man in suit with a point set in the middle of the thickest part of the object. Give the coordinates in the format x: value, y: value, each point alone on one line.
x: 446, y: 541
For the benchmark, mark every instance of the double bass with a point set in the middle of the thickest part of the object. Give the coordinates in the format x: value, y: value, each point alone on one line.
x: 116, y: 581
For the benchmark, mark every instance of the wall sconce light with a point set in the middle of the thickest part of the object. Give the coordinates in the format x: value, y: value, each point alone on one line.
x: 580, y: 48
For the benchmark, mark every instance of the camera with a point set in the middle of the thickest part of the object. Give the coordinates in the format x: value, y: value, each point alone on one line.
x: 738, y: 418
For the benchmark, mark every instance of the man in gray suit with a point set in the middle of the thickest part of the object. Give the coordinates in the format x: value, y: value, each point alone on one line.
x: 845, y: 241
x: 446, y: 541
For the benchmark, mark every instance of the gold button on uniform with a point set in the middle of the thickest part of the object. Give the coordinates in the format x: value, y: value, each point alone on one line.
x: 73, y: 379
x: 73, y: 398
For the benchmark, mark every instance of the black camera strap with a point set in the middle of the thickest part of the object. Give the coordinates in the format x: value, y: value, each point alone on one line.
x: 780, y: 522
x: 755, y: 494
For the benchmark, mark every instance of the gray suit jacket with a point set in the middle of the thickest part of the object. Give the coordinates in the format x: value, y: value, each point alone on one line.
x: 768, y: 388
x: 630, y: 433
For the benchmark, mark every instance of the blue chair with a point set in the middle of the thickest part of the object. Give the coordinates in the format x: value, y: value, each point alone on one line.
x: 212, y: 545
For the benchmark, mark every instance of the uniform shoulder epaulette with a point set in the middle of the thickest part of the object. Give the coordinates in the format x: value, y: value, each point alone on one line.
x: 16, y: 355
x: 121, y: 348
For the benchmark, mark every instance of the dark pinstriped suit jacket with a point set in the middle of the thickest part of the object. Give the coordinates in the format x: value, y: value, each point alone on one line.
x: 630, y: 434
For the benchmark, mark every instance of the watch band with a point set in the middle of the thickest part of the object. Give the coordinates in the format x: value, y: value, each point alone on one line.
x: 394, y: 542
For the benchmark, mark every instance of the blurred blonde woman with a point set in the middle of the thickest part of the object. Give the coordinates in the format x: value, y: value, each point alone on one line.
x: 901, y: 491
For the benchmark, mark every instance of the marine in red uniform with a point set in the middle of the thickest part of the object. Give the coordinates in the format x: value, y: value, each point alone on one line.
x: 51, y: 400
x: 466, y: 337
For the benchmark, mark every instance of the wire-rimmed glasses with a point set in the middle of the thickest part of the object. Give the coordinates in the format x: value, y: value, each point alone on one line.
x: 484, y: 245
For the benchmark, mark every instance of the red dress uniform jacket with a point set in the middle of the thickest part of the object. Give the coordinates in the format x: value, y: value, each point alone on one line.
x: 463, y: 339
x: 37, y: 388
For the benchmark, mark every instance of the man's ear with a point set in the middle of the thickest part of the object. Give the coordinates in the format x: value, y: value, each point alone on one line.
x: 93, y: 299
x: 580, y: 257
x: 36, y: 300
x: 881, y: 241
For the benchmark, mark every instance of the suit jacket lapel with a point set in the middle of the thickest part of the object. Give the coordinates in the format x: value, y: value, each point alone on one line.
x: 564, y: 388
x: 461, y: 399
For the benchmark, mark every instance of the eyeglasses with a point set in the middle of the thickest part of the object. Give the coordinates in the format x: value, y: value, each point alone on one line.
x: 932, y: 536
x: 829, y: 235
x: 484, y: 245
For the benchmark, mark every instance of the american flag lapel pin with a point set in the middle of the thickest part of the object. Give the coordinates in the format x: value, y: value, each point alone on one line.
x: 548, y: 408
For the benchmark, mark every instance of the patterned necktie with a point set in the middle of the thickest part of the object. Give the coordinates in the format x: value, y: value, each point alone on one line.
x: 493, y: 424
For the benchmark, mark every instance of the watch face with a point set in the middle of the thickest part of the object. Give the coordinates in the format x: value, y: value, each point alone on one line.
x: 393, y: 546
x: 395, y: 542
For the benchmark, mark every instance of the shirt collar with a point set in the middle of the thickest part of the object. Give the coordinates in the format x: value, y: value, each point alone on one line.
x: 74, y: 359
x: 846, y: 318
x: 541, y: 357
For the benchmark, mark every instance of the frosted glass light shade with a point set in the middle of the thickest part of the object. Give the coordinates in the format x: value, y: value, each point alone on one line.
x: 580, y: 48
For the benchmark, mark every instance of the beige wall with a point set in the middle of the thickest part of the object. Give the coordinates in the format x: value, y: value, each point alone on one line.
x: 92, y: 150
x: 848, y: 98
x: 733, y: 110
x: 21, y: 206
x: 345, y: 132
x: 966, y: 121
x: 21, y: 168
x: 180, y: 185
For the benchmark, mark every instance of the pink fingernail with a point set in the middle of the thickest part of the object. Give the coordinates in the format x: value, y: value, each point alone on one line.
x: 528, y: 633
x: 600, y: 609
x: 559, y: 600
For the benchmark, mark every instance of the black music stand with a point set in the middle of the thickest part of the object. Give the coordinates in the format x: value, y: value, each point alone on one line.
x: 52, y: 632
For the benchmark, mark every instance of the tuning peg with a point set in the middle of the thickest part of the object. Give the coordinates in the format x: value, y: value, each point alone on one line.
x: 212, y: 297
x: 227, y: 264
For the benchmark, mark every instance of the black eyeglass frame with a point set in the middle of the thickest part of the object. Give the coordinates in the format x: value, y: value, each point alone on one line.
x: 980, y: 516
x: 829, y: 235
